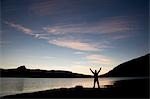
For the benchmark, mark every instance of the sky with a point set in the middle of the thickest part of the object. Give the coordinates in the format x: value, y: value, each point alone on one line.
x: 72, y: 35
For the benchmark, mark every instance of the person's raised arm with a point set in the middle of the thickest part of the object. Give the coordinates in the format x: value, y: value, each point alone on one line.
x: 99, y: 70
x: 91, y: 71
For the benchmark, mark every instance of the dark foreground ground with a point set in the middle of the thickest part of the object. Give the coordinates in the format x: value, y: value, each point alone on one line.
x: 121, y: 89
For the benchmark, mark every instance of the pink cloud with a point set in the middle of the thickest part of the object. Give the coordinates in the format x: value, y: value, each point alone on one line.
x: 74, y: 44
x: 107, y: 26
x: 79, y: 53
x: 20, y: 27
x: 99, y: 59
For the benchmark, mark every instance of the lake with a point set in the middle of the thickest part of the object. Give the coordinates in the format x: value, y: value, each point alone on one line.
x: 9, y: 86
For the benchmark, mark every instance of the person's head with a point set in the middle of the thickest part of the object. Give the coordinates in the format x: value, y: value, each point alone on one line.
x: 95, y: 71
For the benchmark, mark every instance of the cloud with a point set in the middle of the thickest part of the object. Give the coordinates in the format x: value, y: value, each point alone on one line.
x: 42, y: 36
x: 81, y: 36
x: 65, y: 29
x: 79, y: 53
x: 74, y: 44
x: 115, y: 24
x: 107, y: 26
x: 43, y: 57
x: 67, y: 41
x: 20, y: 27
x: 28, y: 31
x: 99, y: 59
x: 118, y: 37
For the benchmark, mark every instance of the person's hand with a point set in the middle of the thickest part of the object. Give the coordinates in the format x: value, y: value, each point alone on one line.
x: 99, y: 70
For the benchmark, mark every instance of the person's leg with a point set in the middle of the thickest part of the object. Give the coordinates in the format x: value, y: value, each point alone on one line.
x: 98, y: 84
x: 94, y: 83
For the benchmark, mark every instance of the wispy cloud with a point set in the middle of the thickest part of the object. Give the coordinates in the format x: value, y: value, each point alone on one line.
x: 115, y: 24
x: 79, y: 53
x: 74, y: 44
x: 114, y: 28
x: 42, y: 57
x: 99, y: 59
x: 28, y: 31
x: 41, y: 35
x: 20, y: 27
x: 118, y: 37
x: 108, y: 26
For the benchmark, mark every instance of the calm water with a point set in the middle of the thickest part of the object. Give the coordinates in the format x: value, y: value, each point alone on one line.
x: 10, y: 86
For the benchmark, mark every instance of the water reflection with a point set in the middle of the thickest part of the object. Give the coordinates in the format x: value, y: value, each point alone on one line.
x: 21, y: 85
x: 12, y: 84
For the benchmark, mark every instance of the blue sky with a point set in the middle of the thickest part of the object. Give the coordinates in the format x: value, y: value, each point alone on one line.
x: 73, y: 35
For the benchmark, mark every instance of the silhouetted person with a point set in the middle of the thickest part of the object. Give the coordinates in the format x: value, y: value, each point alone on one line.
x: 96, y: 77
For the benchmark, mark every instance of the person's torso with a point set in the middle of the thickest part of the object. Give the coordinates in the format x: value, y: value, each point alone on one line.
x: 95, y: 75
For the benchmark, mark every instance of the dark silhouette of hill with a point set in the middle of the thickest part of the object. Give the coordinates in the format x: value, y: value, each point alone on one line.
x: 22, y: 71
x: 133, y: 68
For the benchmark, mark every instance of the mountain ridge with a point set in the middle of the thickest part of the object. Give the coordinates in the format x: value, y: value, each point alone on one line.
x: 133, y: 68
x: 22, y: 71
